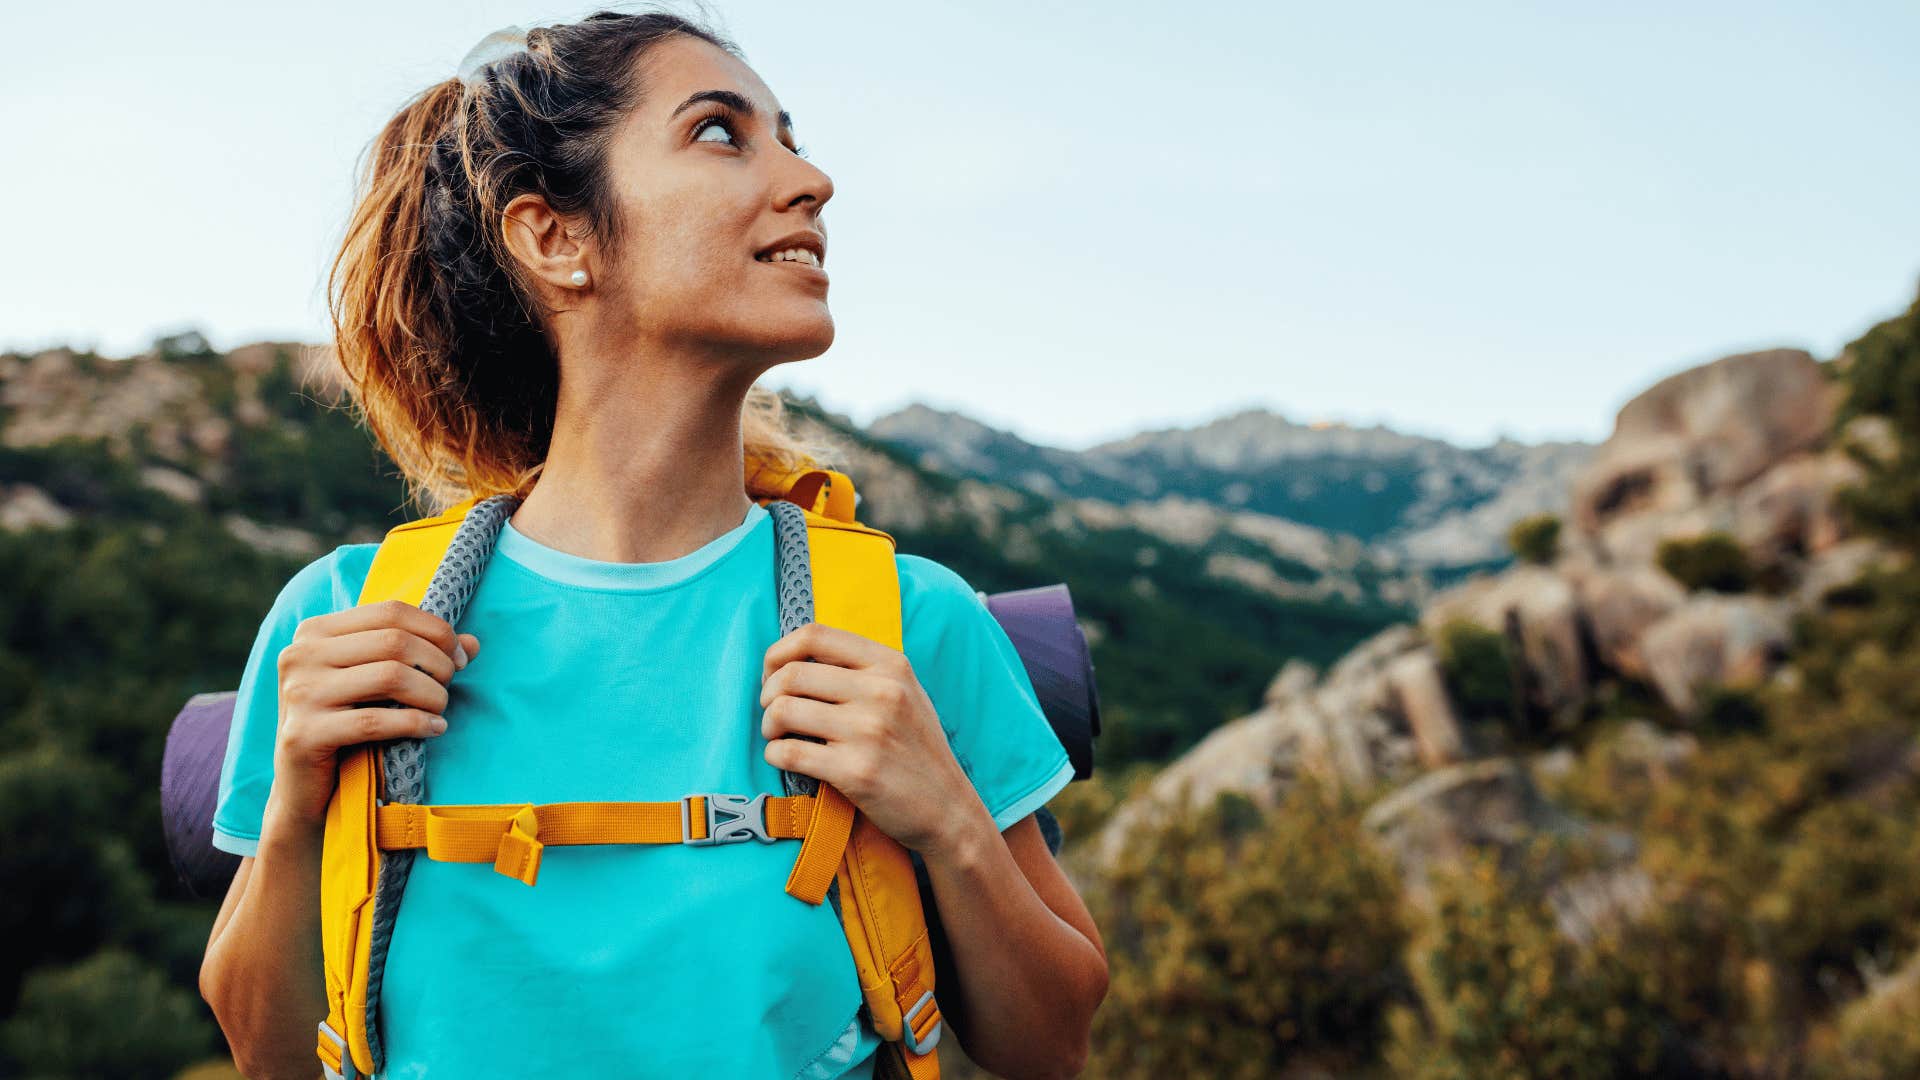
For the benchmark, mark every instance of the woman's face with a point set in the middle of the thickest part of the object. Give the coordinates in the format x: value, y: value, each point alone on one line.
x: 705, y: 187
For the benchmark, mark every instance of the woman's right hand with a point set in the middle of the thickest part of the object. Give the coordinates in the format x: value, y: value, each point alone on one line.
x: 366, y: 674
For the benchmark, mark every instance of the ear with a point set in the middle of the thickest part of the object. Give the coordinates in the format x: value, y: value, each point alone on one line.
x: 540, y: 240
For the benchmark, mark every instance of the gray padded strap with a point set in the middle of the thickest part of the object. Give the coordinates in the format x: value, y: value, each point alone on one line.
x: 793, y: 581
x: 793, y: 584
x: 405, y: 760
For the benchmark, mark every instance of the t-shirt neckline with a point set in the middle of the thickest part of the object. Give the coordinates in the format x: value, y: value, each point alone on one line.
x: 569, y: 569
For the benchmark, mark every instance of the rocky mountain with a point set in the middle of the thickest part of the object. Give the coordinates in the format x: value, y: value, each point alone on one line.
x: 1413, y: 500
x: 1642, y: 804
x: 1737, y: 451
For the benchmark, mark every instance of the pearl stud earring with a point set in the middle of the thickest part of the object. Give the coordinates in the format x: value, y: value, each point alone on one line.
x: 579, y: 277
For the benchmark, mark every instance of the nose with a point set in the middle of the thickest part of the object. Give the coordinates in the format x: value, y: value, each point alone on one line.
x: 805, y: 180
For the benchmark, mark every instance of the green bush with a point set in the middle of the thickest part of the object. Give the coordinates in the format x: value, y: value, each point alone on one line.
x: 1709, y: 561
x: 1535, y: 539
x: 1847, y: 886
x: 1477, y: 669
x: 1729, y: 709
x: 1240, y: 942
x: 110, y: 1015
x: 72, y: 881
x: 1882, y: 380
x: 1504, y: 994
x: 1877, y: 1037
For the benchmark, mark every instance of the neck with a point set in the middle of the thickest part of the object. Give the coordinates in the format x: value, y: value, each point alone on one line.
x: 645, y: 463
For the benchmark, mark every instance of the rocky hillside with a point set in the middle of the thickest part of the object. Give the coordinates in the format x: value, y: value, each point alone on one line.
x: 1416, y: 500
x: 1738, y: 448
x: 1645, y: 799
x: 244, y: 436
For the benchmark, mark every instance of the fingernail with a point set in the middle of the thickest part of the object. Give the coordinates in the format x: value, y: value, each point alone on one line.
x: 459, y: 655
x: 439, y: 724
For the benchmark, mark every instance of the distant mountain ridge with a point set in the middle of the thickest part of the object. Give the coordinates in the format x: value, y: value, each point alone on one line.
x: 1410, y: 498
x: 1190, y: 606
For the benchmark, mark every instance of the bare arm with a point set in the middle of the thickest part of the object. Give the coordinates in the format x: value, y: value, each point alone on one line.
x: 262, y: 973
x: 1031, y: 966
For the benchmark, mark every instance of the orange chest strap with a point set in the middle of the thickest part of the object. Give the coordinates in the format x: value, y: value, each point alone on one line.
x: 512, y: 836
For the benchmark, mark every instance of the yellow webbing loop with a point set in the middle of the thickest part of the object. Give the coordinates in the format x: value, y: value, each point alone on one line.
x: 824, y: 847
x: 518, y: 855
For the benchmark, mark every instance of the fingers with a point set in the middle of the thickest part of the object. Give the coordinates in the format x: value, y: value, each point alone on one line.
x: 393, y: 613
x: 320, y: 687
x: 385, y: 643
x: 854, y: 771
x: 796, y: 755
x: 818, y: 641
x: 804, y: 678
x: 807, y: 717
x: 322, y: 732
x: 376, y: 723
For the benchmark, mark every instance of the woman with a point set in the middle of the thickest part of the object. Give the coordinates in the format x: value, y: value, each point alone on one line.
x: 567, y: 269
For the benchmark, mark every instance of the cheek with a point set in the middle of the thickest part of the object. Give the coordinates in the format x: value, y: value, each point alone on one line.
x: 688, y: 265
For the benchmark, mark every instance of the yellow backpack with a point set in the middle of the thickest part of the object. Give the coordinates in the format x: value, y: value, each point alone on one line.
x: 374, y: 828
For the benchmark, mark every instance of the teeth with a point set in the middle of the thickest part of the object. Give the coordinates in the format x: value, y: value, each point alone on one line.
x: 792, y: 255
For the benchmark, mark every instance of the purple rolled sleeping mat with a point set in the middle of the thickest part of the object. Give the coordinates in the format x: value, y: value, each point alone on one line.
x: 1039, y: 621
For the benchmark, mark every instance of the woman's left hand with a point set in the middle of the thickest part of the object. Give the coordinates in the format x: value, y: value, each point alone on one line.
x: 884, y: 748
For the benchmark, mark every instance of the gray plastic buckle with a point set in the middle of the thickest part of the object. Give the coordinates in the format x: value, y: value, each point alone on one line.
x: 346, y: 1071
x: 747, y: 820
x: 906, y: 1023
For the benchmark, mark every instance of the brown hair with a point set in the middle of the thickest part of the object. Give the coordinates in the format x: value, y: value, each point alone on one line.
x: 437, y: 329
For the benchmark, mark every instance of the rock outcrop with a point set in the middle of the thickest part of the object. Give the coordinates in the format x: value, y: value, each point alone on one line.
x: 1739, y: 447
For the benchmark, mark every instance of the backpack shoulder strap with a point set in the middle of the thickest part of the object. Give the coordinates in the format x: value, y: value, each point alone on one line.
x: 856, y: 587
x: 350, y: 857
x: 408, y: 557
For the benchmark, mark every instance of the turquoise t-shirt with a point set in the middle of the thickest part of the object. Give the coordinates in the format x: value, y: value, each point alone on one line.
x: 635, y: 681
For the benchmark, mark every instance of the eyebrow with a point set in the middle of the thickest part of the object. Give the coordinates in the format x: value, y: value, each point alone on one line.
x: 731, y: 100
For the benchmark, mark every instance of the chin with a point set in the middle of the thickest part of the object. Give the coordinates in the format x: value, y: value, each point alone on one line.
x: 800, y: 339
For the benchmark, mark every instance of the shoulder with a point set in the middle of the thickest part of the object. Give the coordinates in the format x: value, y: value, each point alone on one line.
x: 329, y: 583
x: 926, y: 584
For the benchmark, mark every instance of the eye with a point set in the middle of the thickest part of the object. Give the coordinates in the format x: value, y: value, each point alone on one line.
x: 711, y: 123
x: 725, y: 121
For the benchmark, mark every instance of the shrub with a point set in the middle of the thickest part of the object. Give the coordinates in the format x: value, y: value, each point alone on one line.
x: 1709, y: 561
x: 1478, y: 672
x: 1726, y: 710
x: 109, y: 1015
x: 1883, y: 380
x: 1535, y: 539
x: 1847, y: 886
x: 1877, y: 1037
x: 1240, y: 941
x: 1504, y: 994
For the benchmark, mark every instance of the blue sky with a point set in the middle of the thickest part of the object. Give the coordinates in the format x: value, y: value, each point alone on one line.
x: 1079, y: 220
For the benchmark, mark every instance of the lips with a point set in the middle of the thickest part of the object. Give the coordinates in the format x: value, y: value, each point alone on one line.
x: 806, y: 240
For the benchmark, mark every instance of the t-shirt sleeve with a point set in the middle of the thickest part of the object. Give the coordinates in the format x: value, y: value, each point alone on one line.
x: 329, y: 583
x: 986, y: 701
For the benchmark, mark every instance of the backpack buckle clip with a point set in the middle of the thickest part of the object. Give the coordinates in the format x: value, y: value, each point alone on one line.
x: 921, y: 1047
x: 746, y: 820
